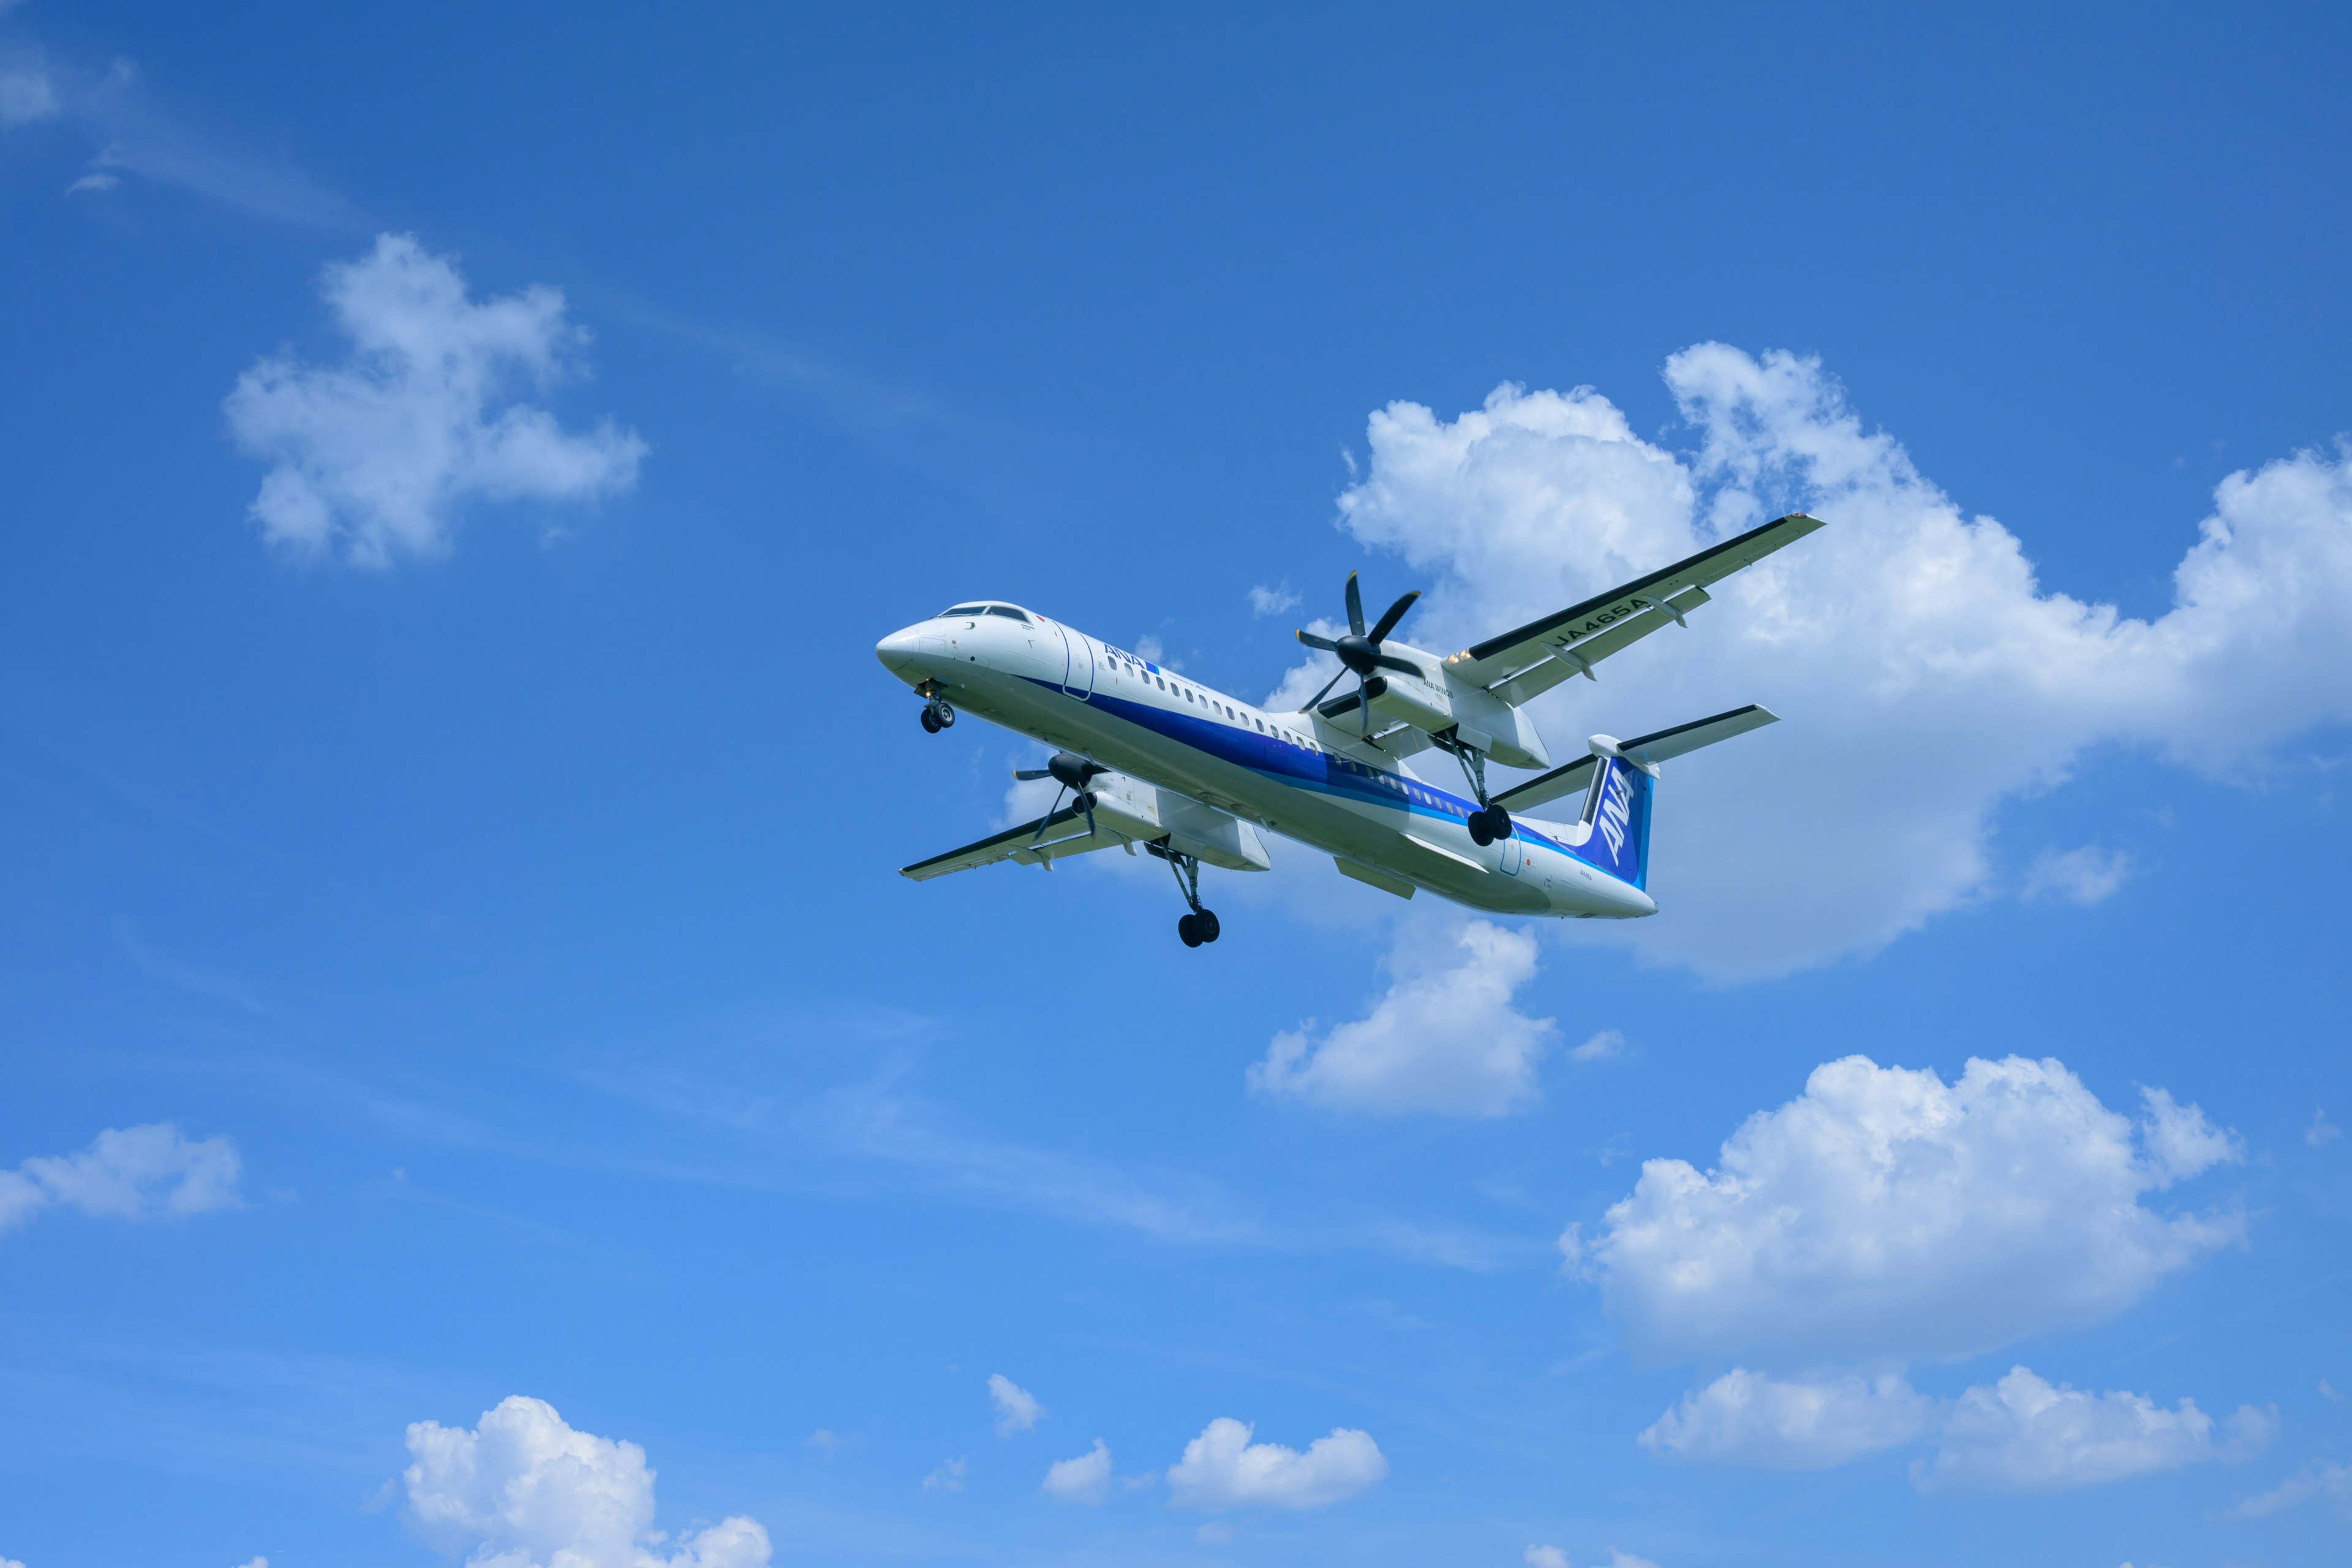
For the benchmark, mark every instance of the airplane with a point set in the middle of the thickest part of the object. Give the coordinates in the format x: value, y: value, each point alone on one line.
x: 1146, y: 756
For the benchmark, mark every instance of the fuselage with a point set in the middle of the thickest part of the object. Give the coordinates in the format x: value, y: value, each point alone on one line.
x: 1294, y: 774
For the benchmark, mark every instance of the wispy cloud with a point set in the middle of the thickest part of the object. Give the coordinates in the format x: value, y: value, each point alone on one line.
x: 124, y: 127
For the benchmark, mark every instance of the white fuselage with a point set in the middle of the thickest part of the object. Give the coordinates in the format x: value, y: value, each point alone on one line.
x: 1293, y: 773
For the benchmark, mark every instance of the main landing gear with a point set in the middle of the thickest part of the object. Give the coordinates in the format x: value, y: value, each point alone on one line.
x: 1490, y: 822
x: 1201, y: 925
x: 937, y: 714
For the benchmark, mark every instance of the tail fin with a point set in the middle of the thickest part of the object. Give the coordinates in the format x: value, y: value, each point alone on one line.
x: 1616, y: 822
x: 1617, y: 816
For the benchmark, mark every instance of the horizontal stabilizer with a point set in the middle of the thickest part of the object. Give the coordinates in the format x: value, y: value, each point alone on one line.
x: 1574, y: 779
x: 1682, y: 739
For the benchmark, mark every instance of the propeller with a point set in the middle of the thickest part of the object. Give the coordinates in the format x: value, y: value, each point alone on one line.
x: 1360, y: 650
x: 1072, y: 771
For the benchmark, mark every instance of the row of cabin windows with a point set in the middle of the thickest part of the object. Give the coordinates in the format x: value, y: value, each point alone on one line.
x: 1216, y: 706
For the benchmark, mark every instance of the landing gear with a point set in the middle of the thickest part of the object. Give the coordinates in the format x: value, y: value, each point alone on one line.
x: 1490, y: 822
x: 938, y: 716
x: 1201, y: 925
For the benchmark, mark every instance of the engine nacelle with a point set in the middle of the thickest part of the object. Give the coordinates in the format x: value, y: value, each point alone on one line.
x: 1410, y: 700
x: 1146, y: 813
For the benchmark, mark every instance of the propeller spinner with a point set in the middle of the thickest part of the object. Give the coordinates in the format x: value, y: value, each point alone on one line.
x: 1072, y: 771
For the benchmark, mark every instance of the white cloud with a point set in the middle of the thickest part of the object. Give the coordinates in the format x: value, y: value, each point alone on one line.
x: 1086, y: 1479
x: 127, y: 1173
x: 1924, y: 675
x: 374, y: 459
x: 2022, y: 1435
x: 26, y: 95
x: 1600, y: 1047
x: 1626, y: 1560
x: 2323, y: 1480
x: 256, y: 1562
x: 2181, y: 1142
x: 2321, y: 1129
x: 1746, y: 1419
x: 1884, y: 1215
x: 2087, y: 876
x: 1017, y: 1409
x: 523, y: 1490
x: 1265, y: 601
x: 1545, y: 1557
x: 1443, y: 1039
x: 99, y: 180
x: 1222, y: 1469
x: 948, y: 1477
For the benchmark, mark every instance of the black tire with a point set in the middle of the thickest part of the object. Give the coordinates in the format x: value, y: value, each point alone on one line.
x: 1480, y: 833
x: 1205, y: 923
x: 1500, y: 821
x: 946, y: 716
x: 930, y: 722
x: 1189, y: 930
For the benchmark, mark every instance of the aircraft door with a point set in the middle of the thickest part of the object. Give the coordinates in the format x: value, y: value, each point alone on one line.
x: 1514, y: 855
x: 1077, y: 663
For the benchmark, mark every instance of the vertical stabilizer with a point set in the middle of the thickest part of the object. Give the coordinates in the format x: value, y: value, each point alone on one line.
x: 1617, y: 808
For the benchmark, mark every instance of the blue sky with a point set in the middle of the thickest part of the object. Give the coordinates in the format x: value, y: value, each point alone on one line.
x: 462, y: 1019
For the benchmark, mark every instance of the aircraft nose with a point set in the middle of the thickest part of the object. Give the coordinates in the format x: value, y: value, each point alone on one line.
x: 901, y: 654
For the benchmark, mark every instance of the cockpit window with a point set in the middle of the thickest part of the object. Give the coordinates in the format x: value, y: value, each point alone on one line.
x: 1009, y: 613
x: 960, y: 610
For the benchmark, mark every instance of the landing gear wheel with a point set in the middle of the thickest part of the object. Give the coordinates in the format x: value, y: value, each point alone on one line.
x: 1499, y: 822
x: 1189, y: 929
x: 937, y: 715
x: 1480, y: 833
x: 1205, y: 923
x: 930, y: 722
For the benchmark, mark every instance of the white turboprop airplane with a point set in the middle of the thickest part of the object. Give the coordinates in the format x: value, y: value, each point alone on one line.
x: 1191, y: 775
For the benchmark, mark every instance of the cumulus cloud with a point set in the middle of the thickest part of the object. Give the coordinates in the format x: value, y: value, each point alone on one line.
x: 1925, y: 675
x: 948, y: 1477
x: 127, y: 1173
x: 1445, y: 1038
x: 1884, y: 1216
x: 523, y: 1489
x: 1223, y: 1469
x: 2087, y: 876
x: 1545, y: 1557
x: 1746, y: 1419
x: 1086, y: 1479
x: 2023, y: 1434
x: 1265, y: 601
x: 1017, y: 1409
x: 374, y: 459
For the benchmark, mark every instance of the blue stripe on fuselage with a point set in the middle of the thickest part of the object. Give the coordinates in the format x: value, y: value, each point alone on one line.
x: 1323, y: 772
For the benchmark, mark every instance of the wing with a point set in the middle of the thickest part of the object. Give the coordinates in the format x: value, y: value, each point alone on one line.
x: 1535, y: 658
x: 1065, y: 833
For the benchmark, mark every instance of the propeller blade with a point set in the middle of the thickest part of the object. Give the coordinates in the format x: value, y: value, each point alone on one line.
x: 1327, y: 685
x: 1326, y: 644
x: 1364, y: 708
x: 1049, y: 814
x: 1356, y: 607
x: 1025, y: 775
x: 1395, y: 614
x: 1088, y: 802
x: 1401, y: 666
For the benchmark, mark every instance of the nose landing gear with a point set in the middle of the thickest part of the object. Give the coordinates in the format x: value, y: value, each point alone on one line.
x: 937, y: 714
